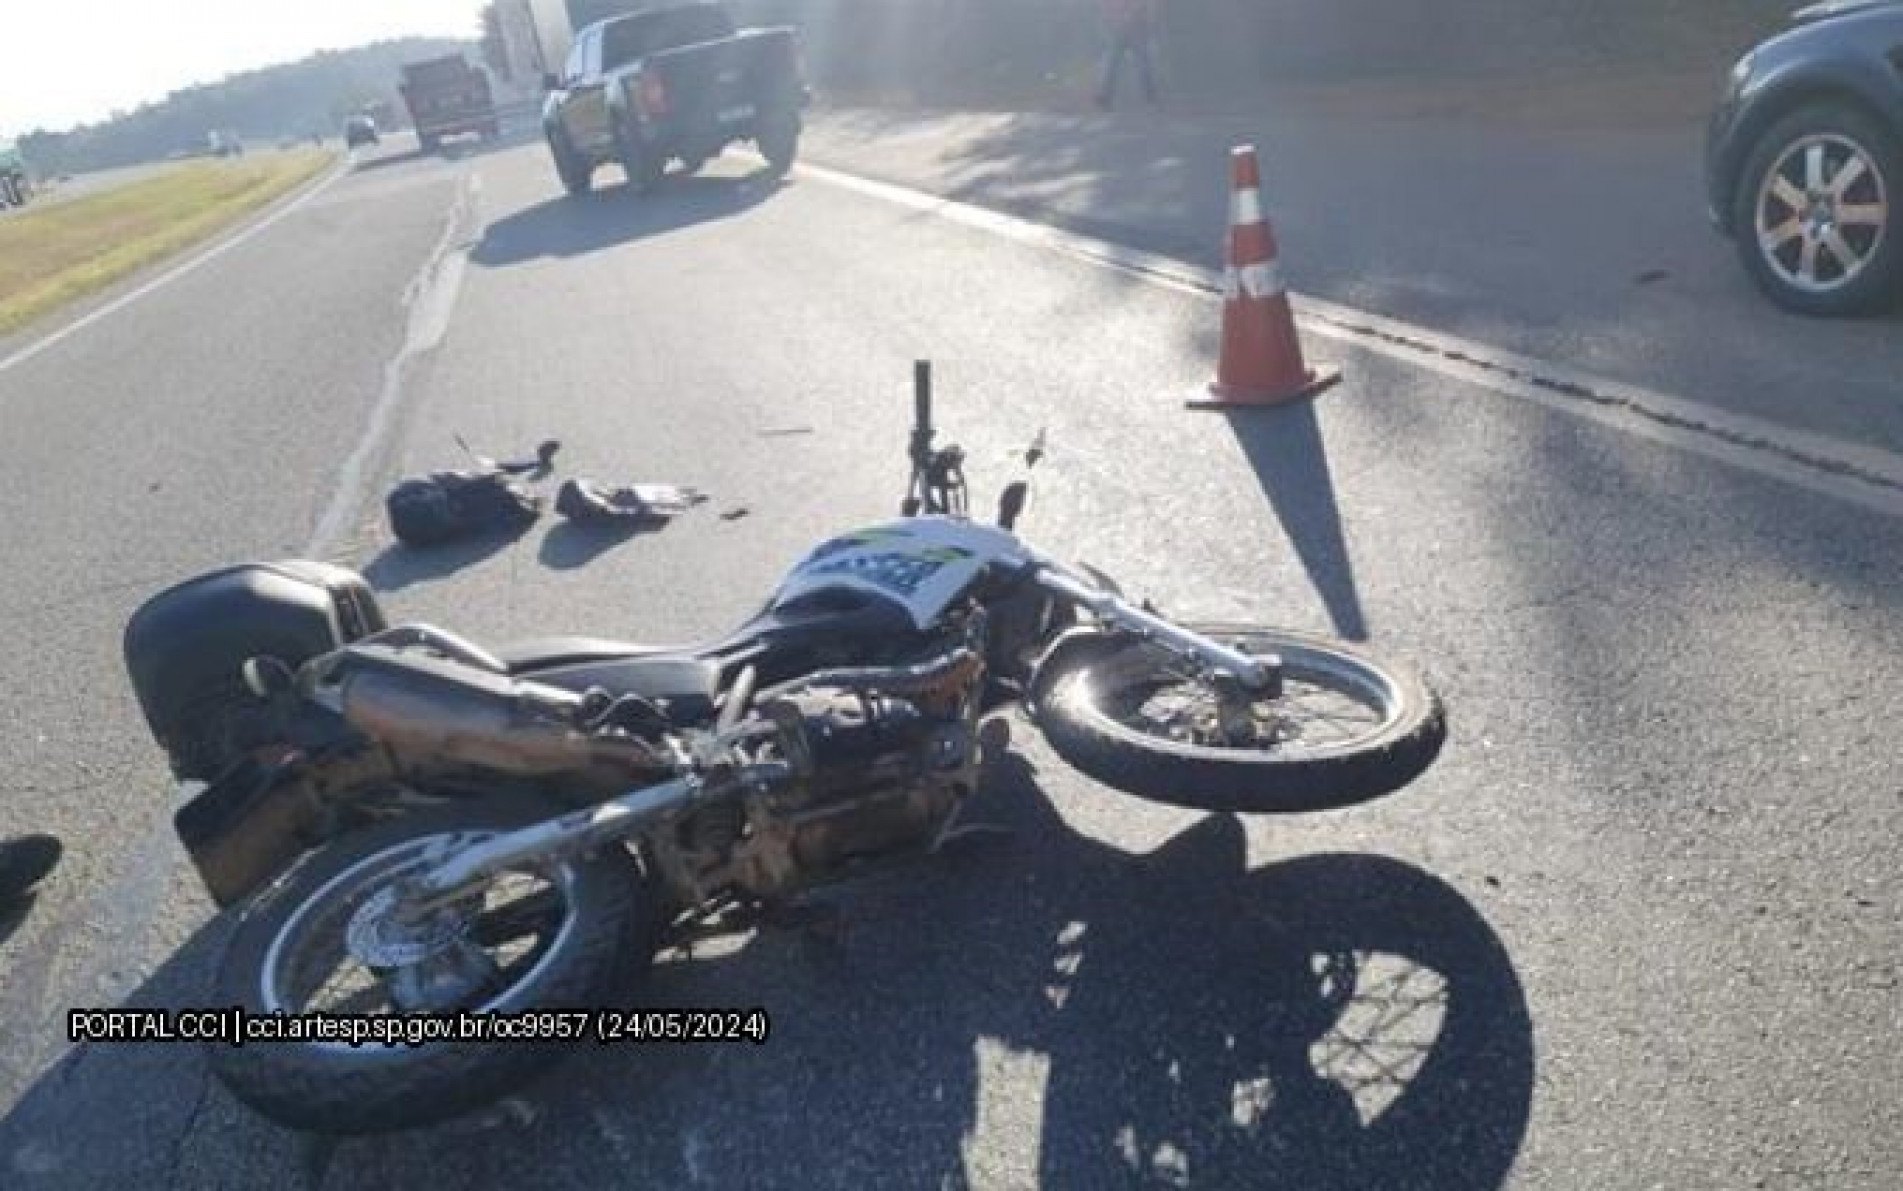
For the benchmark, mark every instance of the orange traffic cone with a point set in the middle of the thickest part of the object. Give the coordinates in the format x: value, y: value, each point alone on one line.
x: 1261, y: 357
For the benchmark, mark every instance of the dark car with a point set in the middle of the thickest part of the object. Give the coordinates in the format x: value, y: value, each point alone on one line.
x: 360, y: 130
x: 1804, y: 161
x: 672, y: 84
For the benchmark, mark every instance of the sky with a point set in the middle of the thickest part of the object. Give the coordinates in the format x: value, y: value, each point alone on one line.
x: 64, y: 62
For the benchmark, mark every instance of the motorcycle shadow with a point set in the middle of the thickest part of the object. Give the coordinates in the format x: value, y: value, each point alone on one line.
x: 1042, y: 1009
x: 398, y: 566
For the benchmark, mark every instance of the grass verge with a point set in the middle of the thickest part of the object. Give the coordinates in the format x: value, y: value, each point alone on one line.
x: 53, y: 254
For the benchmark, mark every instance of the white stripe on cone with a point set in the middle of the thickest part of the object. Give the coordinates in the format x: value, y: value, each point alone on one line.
x: 1255, y: 281
x: 1246, y: 208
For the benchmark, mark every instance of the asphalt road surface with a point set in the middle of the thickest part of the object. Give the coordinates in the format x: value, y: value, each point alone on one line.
x: 1571, y: 229
x: 1639, y: 927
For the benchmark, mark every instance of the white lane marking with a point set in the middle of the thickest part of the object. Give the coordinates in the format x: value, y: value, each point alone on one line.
x: 177, y: 271
x: 127, y: 910
x: 430, y: 299
x: 1867, y: 476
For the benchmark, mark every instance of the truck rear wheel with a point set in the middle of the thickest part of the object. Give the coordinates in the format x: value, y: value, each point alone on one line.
x: 778, y: 139
x: 643, y: 167
x: 576, y: 175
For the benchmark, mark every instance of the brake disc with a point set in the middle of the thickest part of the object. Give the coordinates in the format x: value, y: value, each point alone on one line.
x: 380, y: 940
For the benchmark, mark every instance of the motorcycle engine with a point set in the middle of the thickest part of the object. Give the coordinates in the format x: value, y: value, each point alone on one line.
x: 886, y: 777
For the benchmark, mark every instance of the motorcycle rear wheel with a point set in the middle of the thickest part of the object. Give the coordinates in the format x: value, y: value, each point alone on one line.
x: 591, y: 928
x: 1346, y: 727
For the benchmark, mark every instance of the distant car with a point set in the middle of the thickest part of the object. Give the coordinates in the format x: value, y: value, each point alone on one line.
x: 360, y: 130
x: 1804, y: 159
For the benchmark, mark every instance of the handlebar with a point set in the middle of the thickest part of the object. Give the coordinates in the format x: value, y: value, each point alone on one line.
x: 938, y: 478
x: 922, y: 402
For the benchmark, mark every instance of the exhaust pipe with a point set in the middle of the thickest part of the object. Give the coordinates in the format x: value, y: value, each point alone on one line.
x: 432, y: 712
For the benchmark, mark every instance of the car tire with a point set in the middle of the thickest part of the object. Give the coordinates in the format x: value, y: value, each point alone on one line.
x: 1786, y: 224
x: 644, y: 168
x: 778, y: 140
x: 576, y: 175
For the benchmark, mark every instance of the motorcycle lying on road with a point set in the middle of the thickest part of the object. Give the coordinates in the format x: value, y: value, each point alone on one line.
x: 416, y: 824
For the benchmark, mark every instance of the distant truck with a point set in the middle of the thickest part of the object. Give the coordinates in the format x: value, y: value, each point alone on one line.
x: 448, y: 97
x: 16, y: 186
x: 677, y: 83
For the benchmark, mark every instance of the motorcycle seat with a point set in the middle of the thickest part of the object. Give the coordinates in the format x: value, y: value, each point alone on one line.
x: 686, y: 685
x: 548, y: 653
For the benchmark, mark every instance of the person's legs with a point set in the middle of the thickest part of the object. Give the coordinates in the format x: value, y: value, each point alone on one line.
x: 24, y: 862
x: 1143, y: 46
x: 1113, y: 68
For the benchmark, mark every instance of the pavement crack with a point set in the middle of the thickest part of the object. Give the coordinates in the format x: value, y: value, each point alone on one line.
x: 1578, y: 391
x: 199, y: 1101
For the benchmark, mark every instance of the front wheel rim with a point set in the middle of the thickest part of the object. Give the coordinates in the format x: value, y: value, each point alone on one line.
x: 1822, y: 213
x: 1332, y: 704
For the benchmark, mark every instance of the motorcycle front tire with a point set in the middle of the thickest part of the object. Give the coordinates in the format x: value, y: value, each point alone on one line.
x: 1091, y: 685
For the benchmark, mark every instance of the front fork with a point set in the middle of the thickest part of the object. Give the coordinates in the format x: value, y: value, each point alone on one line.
x: 1233, y: 674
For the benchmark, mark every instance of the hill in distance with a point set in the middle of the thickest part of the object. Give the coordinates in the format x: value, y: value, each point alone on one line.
x: 296, y: 99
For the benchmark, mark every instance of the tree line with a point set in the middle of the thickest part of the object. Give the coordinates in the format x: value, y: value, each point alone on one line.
x: 295, y: 100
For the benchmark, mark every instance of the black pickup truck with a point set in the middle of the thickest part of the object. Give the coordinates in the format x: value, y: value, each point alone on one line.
x: 672, y: 84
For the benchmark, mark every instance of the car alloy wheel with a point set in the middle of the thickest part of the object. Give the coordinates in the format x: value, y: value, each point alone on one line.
x: 1822, y: 213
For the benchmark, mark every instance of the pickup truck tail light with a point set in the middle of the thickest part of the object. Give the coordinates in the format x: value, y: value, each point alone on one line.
x: 651, y: 95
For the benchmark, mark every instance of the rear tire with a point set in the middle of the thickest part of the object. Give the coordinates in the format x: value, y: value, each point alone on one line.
x: 609, y: 933
x: 643, y: 167
x: 778, y: 140
x: 576, y: 175
x: 1077, y: 693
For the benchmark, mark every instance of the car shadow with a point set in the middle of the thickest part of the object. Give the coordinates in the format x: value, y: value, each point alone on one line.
x: 573, y: 226
x: 1334, y: 1021
x: 380, y: 160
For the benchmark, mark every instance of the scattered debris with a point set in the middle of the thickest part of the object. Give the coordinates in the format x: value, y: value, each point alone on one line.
x: 1650, y: 276
x: 786, y: 432
x: 736, y: 514
x: 588, y: 502
x: 536, y: 468
x: 445, y: 506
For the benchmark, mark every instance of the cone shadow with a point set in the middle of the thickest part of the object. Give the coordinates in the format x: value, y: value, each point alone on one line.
x: 1284, y: 446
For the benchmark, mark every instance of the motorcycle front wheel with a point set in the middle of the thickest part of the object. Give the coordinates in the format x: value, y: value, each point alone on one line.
x: 1343, y: 729
x: 555, y: 937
